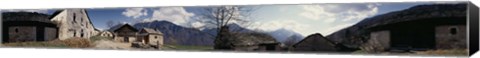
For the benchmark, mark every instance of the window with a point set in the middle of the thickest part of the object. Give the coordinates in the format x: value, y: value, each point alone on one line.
x: 16, y: 30
x: 81, y: 35
x: 74, y: 34
x: 453, y: 31
x: 155, y: 37
x: 74, y: 18
x: 81, y: 20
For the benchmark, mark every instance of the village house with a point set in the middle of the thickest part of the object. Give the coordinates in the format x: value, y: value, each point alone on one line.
x: 146, y: 36
x: 439, y: 29
x: 248, y: 41
x: 27, y: 26
x: 126, y: 33
x: 73, y: 23
x: 106, y: 34
x: 151, y: 37
x: 420, y: 35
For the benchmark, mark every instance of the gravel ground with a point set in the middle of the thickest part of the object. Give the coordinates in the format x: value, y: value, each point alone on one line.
x: 108, y: 44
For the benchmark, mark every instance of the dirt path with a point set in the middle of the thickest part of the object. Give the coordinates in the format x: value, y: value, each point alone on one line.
x: 108, y: 44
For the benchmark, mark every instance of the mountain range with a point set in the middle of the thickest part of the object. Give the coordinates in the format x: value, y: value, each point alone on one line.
x: 179, y: 35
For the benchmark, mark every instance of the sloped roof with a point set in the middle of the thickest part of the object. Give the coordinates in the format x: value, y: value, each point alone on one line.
x: 125, y: 26
x: 25, y: 16
x: 316, y: 36
x: 149, y: 30
x: 251, y: 39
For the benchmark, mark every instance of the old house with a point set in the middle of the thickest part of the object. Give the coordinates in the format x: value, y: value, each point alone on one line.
x: 73, y: 23
x: 143, y: 38
x: 442, y: 27
x: 254, y: 42
x: 126, y: 33
x: 27, y: 26
x: 106, y: 34
x: 315, y: 43
x: 246, y: 41
x: 151, y: 37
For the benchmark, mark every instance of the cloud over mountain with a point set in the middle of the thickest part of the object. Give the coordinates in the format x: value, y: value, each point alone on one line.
x: 135, y: 12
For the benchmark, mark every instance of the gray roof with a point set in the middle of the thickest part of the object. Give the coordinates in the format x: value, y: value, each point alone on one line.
x: 149, y: 30
x: 239, y: 39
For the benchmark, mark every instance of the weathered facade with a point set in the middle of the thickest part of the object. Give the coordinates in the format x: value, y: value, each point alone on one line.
x: 421, y: 27
x: 143, y: 38
x: 125, y: 33
x: 315, y: 43
x: 27, y: 26
x: 73, y: 23
x: 151, y: 37
x: 421, y: 34
x: 450, y: 36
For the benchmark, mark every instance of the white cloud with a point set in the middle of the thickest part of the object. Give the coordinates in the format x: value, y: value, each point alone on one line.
x: 286, y: 24
x: 330, y: 13
x: 176, y: 15
x: 330, y: 18
x: 198, y: 25
x: 26, y: 10
x: 135, y: 12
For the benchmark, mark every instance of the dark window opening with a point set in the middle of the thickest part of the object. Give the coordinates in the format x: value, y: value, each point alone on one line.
x: 125, y: 39
x: 155, y: 37
x: 74, y: 18
x: 453, y: 31
x: 269, y: 47
x: 16, y: 30
x: 74, y: 34
x: 81, y: 35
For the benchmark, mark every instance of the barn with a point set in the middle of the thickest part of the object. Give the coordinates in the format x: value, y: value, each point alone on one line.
x: 27, y: 26
x: 422, y: 27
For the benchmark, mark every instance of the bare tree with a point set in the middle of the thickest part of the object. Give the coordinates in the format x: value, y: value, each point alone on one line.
x: 220, y: 16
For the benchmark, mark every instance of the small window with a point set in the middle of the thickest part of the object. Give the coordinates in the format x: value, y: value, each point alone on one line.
x: 155, y: 37
x: 74, y: 34
x: 16, y: 30
x: 453, y: 31
x: 74, y: 18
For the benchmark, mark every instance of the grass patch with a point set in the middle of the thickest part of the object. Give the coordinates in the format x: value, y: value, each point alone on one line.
x: 68, y: 43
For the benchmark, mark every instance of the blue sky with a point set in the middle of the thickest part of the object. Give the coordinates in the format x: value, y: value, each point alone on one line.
x: 305, y: 19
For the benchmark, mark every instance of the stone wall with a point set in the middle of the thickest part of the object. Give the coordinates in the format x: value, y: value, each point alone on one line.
x: 155, y: 40
x: 74, y: 23
x: 450, y: 36
x: 50, y: 33
x: 379, y: 41
x: 22, y: 33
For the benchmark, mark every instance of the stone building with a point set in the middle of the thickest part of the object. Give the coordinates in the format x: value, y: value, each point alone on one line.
x: 126, y: 33
x: 27, y: 26
x: 438, y: 31
x: 421, y: 27
x: 145, y: 37
x: 73, y: 23
x: 151, y: 37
